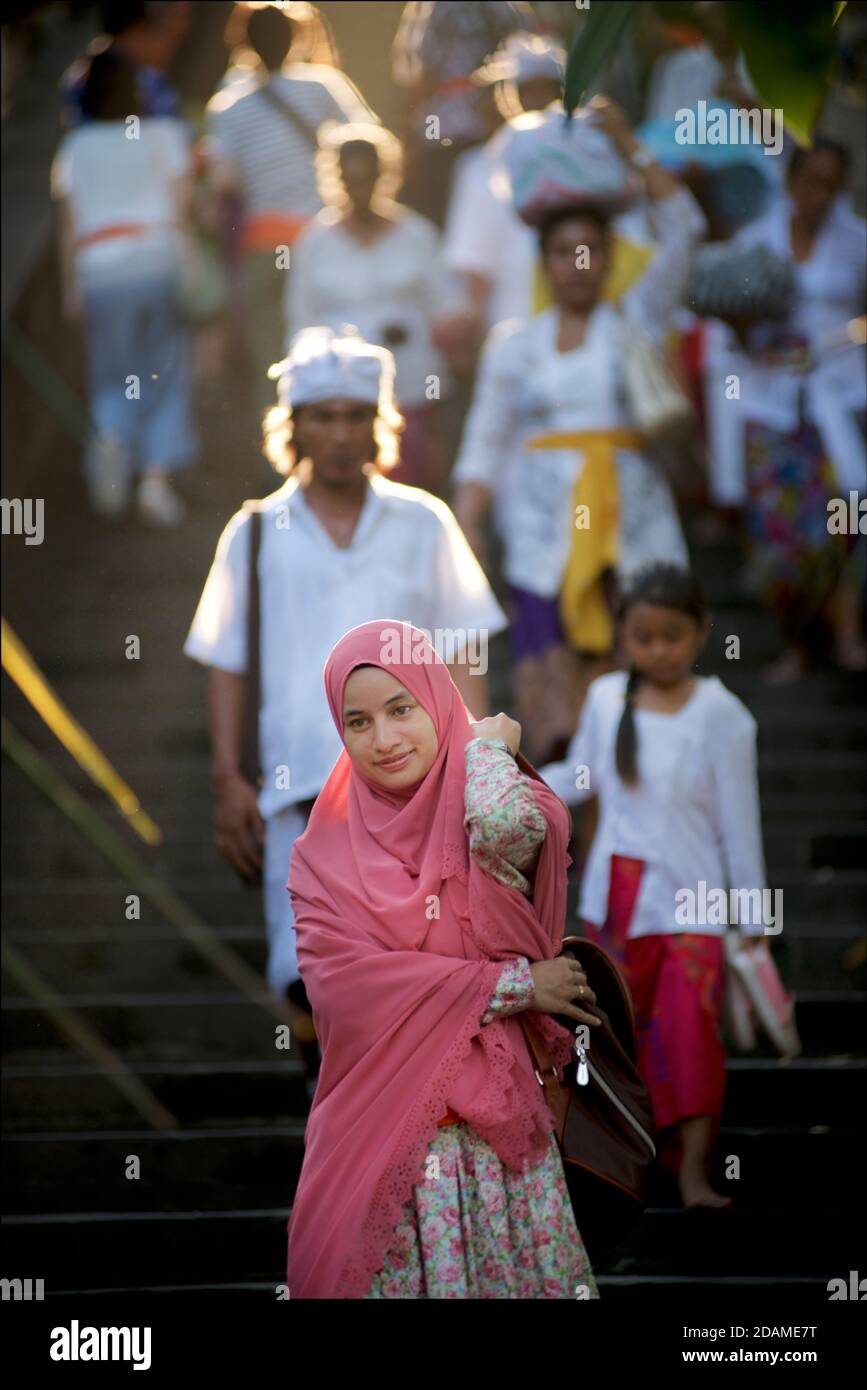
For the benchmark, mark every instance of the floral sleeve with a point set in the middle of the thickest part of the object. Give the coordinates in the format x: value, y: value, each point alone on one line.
x: 515, y: 991
x: 504, y: 825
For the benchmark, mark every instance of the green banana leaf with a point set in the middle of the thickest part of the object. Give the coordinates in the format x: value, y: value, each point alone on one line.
x: 594, y: 44
x: 789, y: 50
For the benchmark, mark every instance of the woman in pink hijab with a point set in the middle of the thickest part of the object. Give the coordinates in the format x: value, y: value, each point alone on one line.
x: 429, y: 892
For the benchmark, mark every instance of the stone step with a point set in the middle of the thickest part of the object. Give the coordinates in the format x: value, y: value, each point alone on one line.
x: 813, y: 845
x: 226, y: 1168
x: 813, y: 697
x: 80, y: 1250
x: 189, y: 1169
x: 826, y: 1161
x: 799, y: 832
x: 102, y: 646
x: 188, y: 822
x: 804, y: 762
x: 128, y: 958
x: 69, y: 1094
x: 219, y: 1169
x: 101, y: 1250
x: 172, y: 1027
x: 823, y: 764
x: 807, y: 1091
x: 223, y: 1024
x: 51, y: 848
x: 65, y: 1093
x: 179, y: 718
x: 220, y: 899
x: 795, y: 810
x: 819, y: 961
x: 168, y: 689
x: 738, y: 1242
x: 826, y: 771
x: 798, y: 736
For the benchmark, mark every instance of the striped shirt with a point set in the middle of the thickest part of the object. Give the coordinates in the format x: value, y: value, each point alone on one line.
x: 274, y: 160
x: 442, y: 43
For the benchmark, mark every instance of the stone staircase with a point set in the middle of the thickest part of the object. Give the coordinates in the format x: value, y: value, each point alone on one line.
x: 210, y: 1207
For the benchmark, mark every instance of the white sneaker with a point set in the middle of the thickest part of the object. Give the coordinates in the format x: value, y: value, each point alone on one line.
x: 158, y: 503
x: 108, y: 479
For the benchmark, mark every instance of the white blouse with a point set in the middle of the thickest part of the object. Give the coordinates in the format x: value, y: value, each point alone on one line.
x: 114, y: 181
x: 395, y: 282
x: 526, y: 387
x: 693, y: 816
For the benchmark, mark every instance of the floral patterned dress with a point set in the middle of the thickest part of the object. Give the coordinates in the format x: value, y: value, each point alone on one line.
x: 474, y: 1229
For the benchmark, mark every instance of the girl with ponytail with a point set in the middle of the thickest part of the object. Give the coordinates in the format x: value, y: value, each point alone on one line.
x: 671, y: 755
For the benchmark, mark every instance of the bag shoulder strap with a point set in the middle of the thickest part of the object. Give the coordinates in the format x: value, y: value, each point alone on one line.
x: 294, y: 118
x: 556, y: 1094
x: 253, y: 693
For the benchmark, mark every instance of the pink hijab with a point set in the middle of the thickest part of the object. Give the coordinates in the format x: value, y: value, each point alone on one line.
x: 401, y: 938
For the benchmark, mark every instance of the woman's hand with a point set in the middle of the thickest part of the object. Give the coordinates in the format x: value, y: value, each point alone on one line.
x: 608, y: 116
x: 557, y: 983
x: 502, y: 727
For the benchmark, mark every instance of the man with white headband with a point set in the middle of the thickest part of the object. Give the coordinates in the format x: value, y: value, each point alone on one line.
x: 340, y: 545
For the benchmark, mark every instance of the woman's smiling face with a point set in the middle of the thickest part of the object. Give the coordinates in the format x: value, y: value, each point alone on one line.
x: 387, y: 734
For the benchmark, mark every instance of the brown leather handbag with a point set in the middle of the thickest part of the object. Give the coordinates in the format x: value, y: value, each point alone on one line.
x: 601, y: 1107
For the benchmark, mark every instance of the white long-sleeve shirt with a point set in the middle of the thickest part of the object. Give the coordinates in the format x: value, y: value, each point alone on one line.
x: 526, y: 387
x: 395, y: 282
x: 693, y: 816
x: 830, y: 289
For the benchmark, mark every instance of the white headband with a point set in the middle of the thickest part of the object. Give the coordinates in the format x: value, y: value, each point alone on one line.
x: 323, y: 366
x: 523, y: 57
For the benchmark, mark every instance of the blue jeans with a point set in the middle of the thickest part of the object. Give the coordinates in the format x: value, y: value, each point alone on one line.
x: 132, y: 329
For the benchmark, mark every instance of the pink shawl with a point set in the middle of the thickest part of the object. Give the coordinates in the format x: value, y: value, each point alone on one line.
x: 401, y: 938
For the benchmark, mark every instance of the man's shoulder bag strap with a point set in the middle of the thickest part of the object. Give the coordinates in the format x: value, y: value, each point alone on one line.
x: 253, y: 693
x: 295, y: 119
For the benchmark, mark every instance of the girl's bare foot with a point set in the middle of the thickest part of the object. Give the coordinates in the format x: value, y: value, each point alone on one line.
x: 696, y: 1191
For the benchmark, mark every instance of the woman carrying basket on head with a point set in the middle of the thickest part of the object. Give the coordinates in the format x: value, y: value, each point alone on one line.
x: 429, y: 892
x: 553, y: 439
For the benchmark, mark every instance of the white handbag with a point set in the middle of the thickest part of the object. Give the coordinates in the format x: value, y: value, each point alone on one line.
x: 754, y: 993
x: 659, y: 407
